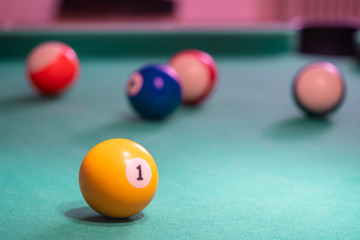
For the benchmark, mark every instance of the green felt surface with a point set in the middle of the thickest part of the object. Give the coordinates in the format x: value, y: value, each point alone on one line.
x: 139, y: 43
x: 246, y: 165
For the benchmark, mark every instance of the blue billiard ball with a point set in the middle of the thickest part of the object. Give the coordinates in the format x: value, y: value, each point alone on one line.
x: 154, y: 91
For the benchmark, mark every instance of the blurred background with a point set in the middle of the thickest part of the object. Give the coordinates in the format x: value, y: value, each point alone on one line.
x: 187, y: 13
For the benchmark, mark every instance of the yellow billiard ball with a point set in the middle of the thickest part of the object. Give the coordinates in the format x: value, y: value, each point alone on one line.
x: 118, y: 178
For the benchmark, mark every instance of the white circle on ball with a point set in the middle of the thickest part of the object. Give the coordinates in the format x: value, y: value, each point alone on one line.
x: 319, y: 86
x: 159, y: 83
x: 134, y: 84
x: 138, y: 172
x: 194, y: 76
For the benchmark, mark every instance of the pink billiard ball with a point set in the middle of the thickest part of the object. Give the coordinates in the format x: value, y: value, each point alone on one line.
x: 198, y: 75
x: 319, y: 88
x: 52, y: 68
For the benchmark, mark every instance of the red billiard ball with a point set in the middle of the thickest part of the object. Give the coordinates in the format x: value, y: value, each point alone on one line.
x: 198, y: 75
x: 52, y: 68
x: 319, y: 88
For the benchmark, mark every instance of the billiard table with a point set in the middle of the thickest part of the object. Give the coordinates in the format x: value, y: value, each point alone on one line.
x: 247, y: 164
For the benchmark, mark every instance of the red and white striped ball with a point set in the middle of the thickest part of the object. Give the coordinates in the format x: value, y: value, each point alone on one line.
x: 52, y: 68
x: 319, y: 88
x: 198, y: 75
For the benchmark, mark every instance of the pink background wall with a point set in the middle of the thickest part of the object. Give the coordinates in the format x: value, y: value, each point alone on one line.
x: 203, y: 11
x: 226, y: 10
x: 27, y: 10
x: 267, y: 10
x: 188, y: 10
